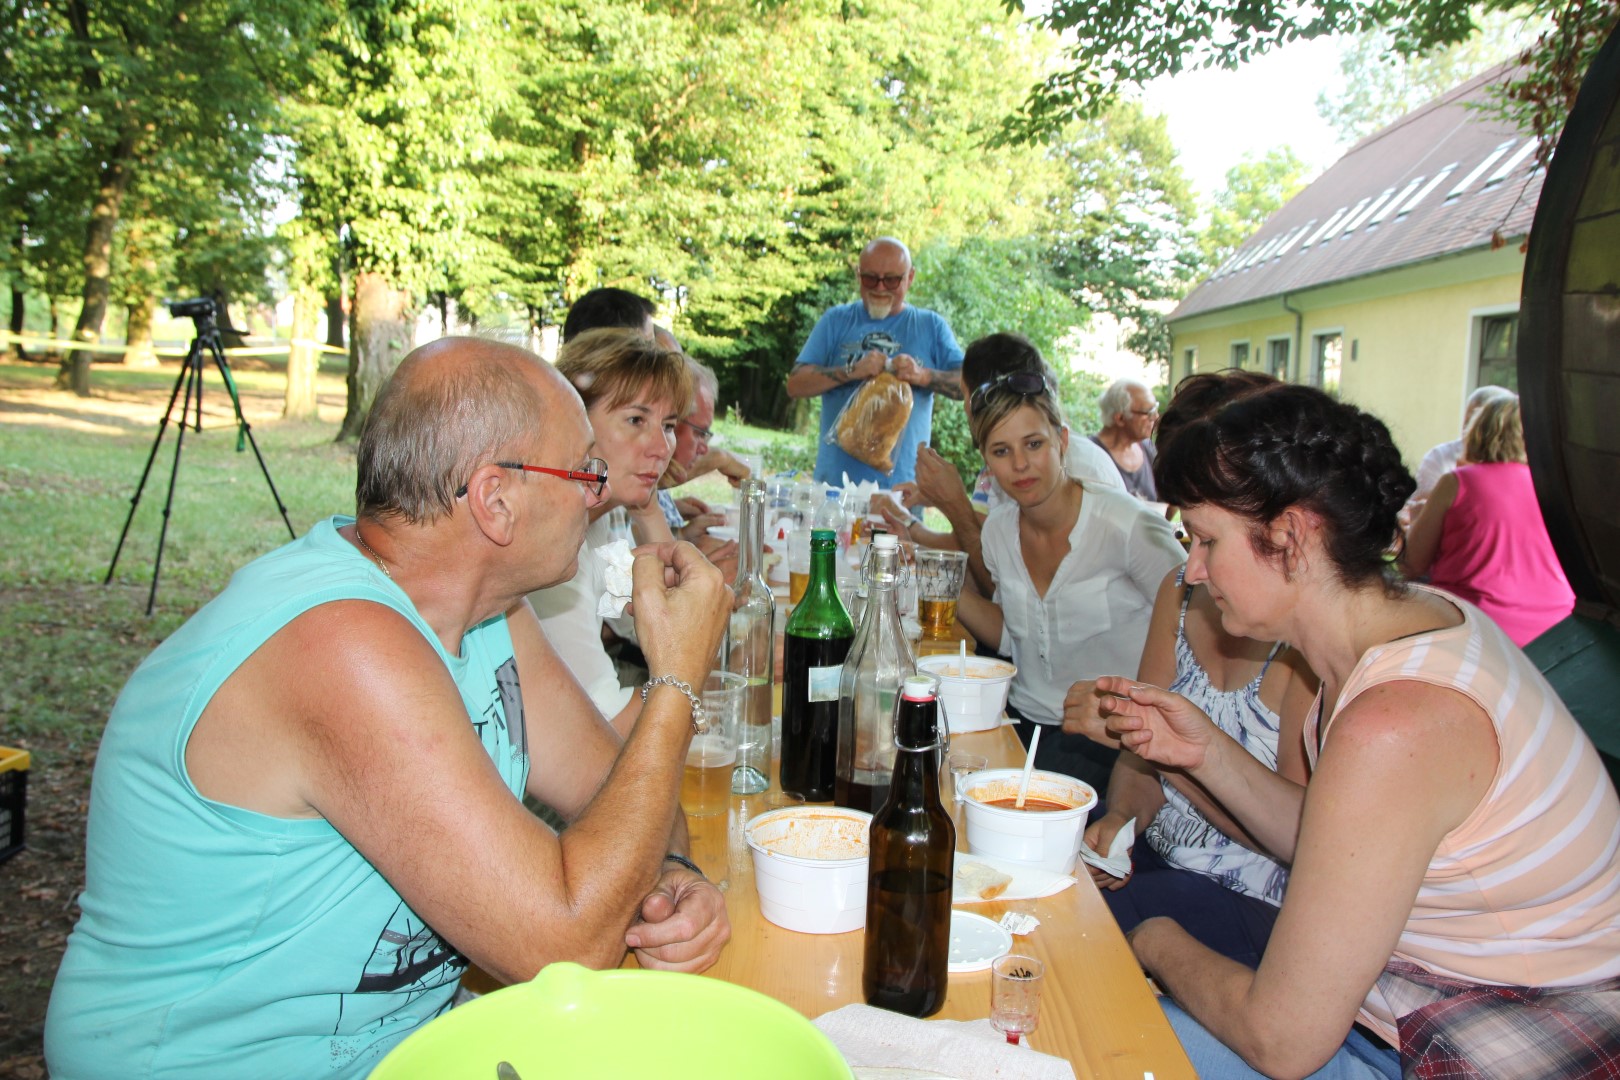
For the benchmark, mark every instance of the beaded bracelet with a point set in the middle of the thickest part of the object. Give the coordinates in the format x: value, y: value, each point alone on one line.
x: 700, y: 719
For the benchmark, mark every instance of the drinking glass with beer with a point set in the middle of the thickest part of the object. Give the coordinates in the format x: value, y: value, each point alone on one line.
x: 939, y: 586
x: 710, y: 759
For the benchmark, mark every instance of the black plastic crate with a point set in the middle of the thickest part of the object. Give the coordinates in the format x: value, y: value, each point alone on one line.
x: 13, y: 800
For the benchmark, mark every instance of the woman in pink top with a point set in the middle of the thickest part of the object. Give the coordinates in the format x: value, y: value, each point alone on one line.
x: 1481, y: 536
x: 1454, y: 882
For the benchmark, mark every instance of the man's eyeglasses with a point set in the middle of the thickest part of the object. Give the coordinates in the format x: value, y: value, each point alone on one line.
x: 1146, y: 412
x: 706, y: 434
x: 593, y: 477
x: 1022, y: 383
x: 888, y: 281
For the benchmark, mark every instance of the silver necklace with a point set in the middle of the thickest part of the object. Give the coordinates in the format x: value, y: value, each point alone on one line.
x: 367, y: 549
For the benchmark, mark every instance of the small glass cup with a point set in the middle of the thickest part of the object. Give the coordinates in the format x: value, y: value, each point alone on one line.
x: 1015, y: 995
x: 939, y: 586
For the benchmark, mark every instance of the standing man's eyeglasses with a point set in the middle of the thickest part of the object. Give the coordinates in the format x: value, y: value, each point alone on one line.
x: 888, y: 281
x: 706, y: 434
x: 593, y: 477
x: 1022, y: 383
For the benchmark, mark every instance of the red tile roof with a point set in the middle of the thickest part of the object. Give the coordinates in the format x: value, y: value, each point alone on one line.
x: 1439, y: 181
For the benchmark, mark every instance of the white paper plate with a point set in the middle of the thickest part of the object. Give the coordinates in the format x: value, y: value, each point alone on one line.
x: 883, y: 1072
x: 976, y: 942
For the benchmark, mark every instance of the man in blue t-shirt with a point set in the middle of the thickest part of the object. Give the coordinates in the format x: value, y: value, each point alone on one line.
x: 856, y: 342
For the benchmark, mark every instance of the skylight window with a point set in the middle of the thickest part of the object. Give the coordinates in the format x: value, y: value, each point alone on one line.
x: 1479, y: 170
x: 1513, y: 162
x: 1356, y: 219
x: 1332, y: 222
x: 1439, y: 178
x: 1389, y: 207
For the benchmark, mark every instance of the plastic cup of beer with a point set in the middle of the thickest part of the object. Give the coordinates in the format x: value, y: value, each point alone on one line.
x: 710, y: 759
x: 939, y: 586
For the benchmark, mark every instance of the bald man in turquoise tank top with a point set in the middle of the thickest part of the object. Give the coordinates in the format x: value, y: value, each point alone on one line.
x: 306, y: 816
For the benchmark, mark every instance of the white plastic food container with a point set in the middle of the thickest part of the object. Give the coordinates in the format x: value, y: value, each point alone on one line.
x: 973, y: 699
x: 1049, y: 839
x: 810, y: 867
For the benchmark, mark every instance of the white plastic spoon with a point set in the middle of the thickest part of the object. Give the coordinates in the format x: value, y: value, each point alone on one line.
x: 1029, y: 765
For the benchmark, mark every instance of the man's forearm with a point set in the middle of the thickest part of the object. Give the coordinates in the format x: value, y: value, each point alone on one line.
x: 812, y: 380
x: 948, y: 383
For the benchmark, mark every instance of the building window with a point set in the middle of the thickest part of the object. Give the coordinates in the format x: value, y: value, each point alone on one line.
x: 1240, y: 354
x: 1189, y: 362
x: 1327, y: 360
x: 1498, y: 360
x: 1277, y: 354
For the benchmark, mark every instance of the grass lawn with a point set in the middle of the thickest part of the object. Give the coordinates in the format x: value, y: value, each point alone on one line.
x: 68, y: 468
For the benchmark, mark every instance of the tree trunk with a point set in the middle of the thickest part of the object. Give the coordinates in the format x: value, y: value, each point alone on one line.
x: 104, y: 211
x: 335, y: 320
x: 303, y: 361
x: 380, y: 334
x: 138, y: 351
x: 18, y: 310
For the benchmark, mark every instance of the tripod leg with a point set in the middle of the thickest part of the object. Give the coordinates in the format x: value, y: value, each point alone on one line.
x: 163, y: 424
x: 193, y: 375
x: 245, y: 429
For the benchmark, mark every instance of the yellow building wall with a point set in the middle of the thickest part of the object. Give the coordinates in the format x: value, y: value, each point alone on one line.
x: 1408, y: 357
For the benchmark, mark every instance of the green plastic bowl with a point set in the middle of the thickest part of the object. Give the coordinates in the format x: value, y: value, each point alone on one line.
x: 573, y: 1022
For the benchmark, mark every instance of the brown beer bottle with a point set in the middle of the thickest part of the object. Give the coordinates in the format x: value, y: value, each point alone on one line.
x: 913, y: 848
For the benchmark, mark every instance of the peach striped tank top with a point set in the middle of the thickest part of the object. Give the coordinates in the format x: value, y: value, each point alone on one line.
x: 1526, y: 891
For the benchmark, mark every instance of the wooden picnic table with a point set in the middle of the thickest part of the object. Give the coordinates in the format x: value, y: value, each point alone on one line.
x: 1097, y: 1008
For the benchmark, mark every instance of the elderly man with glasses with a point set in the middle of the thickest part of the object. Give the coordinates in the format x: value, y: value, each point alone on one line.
x: 854, y: 342
x: 307, y: 812
x: 1129, y: 415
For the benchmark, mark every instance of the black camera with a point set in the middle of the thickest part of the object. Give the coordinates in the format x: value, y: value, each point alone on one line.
x: 200, y: 308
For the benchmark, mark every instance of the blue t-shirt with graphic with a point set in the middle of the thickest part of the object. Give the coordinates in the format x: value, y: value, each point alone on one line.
x: 216, y: 941
x: 846, y: 333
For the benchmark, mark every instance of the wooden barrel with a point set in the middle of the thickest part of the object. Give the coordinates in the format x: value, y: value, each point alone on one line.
x: 1569, y: 342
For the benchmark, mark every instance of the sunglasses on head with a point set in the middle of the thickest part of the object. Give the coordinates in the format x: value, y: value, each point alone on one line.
x: 1022, y: 383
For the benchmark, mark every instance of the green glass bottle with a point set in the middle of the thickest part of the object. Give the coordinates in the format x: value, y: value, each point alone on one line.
x: 819, y: 634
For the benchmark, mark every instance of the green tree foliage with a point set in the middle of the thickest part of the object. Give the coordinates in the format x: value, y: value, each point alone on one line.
x: 1256, y: 188
x: 1119, y: 43
x: 393, y: 114
x: 1378, y: 84
x: 111, y: 94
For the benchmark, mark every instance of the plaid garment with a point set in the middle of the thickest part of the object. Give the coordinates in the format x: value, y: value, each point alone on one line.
x: 1452, y: 1030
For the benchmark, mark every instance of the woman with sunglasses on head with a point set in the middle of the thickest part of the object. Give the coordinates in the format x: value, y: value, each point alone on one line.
x: 1453, y: 879
x: 993, y: 362
x: 634, y: 392
x: 1191, y: 861
x: 1075, y: 570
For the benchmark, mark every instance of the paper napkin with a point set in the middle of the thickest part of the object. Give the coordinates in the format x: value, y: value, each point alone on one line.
x: 616, y: 564
x: 1118, y: 860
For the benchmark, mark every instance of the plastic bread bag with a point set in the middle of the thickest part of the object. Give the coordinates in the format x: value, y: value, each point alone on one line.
x: 872, y: 421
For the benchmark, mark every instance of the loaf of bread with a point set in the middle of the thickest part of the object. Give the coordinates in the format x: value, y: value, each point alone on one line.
x: 977, y: 879
x: 873, y: 421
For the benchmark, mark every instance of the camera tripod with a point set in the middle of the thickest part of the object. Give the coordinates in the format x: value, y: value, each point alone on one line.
x: 190, y: 380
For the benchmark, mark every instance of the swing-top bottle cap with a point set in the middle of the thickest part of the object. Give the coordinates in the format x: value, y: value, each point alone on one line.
x: 885, y: 541
x: 919, y: 688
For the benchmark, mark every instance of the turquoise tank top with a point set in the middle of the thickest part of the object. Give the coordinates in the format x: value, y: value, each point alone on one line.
x: 215, y: 941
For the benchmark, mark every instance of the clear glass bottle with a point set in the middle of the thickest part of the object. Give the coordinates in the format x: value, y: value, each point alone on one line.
x: 911, y: 860
x: 750, y: 646
x: 879, y: 660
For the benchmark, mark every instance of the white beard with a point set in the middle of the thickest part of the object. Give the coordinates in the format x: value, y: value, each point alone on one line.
x: 878, y: 309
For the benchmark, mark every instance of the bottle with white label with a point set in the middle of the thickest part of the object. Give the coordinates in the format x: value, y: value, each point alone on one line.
x: 819, y: 634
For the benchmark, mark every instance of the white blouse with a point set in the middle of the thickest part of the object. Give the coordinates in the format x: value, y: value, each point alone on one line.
x: 1094, y: 617
x: 568, y: 616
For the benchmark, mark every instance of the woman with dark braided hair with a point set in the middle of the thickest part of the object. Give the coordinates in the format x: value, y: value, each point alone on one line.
x: 1454, y: 883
